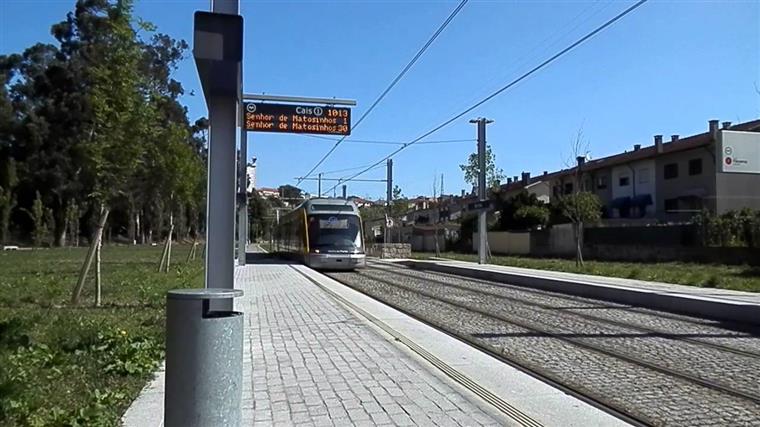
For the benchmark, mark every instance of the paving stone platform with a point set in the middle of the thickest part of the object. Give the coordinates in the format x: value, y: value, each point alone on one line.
x: 310, y: 361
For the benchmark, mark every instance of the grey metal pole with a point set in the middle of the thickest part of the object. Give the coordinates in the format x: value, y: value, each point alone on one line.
x: 231, y: 7
x: 344, y: 192
x: 482, y: 223
x: 220, y: 208
x: 388, y: 195
x: 242, y: 191
x: 319, y: 185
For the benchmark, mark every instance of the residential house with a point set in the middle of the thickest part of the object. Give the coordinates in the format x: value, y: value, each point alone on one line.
x: 668, y: 181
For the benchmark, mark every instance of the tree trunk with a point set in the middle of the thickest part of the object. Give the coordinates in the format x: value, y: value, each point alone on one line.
x: 60, y: 237
x: 437, y: 247
x: 131, y: 225
x: 97, y: 237
x: 578, y: 231
x: 138, y: 232
x: 98, y: 283
x: 59, y: 225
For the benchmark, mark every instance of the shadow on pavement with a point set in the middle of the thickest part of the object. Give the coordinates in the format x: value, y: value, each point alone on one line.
x: 264, y: 258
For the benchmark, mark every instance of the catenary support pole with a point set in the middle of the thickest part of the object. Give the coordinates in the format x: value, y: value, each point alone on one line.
x: 344, y: 192
x: 388, y: 197
x: 319, y: 185
x: 220, y: 209
x: 482, y: 192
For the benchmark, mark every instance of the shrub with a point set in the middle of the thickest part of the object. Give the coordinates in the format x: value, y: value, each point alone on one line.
x: 532, y: 217
x: 733, y: 228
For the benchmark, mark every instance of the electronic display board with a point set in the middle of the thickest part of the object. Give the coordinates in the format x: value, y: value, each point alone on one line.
x: 288, y: 118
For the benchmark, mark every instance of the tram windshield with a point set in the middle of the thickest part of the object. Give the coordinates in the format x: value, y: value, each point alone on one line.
x: 330, y: 233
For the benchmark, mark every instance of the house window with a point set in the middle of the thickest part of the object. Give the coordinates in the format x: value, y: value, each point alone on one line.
x: 671, y: 205
x: 671, y: 170
x: 624, y: 181
x: 643, y: 176
x: 695, y: 167
x: 568, y: 187
x: 601, y: 183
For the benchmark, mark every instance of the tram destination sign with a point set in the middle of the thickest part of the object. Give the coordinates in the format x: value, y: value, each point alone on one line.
x: 288, y: 118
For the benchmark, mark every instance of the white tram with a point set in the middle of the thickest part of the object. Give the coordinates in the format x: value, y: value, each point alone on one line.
x: 324, y: 234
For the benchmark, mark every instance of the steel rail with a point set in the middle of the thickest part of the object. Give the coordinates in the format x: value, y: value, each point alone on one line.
x: 591, y: 347
x: 656, y: 332
x: 610, y: 408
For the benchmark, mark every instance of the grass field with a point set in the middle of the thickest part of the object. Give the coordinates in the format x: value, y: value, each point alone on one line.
x: 63, y: 365
x: 743, y: 278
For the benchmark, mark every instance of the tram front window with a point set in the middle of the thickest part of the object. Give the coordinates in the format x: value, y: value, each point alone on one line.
x: 334, y: 233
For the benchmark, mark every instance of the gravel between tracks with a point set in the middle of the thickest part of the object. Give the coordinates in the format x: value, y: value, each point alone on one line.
x: 650, y: 395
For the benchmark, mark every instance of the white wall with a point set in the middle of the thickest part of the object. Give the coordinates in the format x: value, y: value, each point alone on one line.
x: 505, y: 242
x: 542, y: 190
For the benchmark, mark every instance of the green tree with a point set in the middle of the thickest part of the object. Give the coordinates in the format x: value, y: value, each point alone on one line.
x: 290, y: 192
x: 40, y: 217
x: 8, y: 182
x: 397, y: 194
x: 51, y: 102
x: 532, y: 216
x: 531, y: 212
x: 580, y: 208
x: 494, y: 175
x: 120, y: 117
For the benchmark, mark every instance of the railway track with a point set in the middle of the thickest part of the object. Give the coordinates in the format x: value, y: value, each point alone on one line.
x: 645, y: 368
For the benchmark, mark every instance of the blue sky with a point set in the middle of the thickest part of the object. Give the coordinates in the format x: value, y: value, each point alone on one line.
x: 665, y: 69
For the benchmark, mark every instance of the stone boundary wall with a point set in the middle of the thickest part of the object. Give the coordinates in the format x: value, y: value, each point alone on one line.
x: 390, y: 250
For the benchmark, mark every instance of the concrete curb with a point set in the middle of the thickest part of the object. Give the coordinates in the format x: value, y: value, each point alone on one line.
x: 694, y: 305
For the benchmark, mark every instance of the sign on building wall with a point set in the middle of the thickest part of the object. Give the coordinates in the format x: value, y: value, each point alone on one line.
x: 740, y: 152
x: 287, y: 118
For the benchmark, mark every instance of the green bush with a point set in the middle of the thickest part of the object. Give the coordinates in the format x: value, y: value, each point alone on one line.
x: 734, y: 228
x: 532, y: 216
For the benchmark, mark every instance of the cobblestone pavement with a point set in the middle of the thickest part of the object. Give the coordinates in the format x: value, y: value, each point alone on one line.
x: 652, y: 395
x: 309, y: 361
x: 675, y: 325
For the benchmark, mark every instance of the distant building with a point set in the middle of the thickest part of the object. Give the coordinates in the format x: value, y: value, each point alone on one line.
x: 360, y: 202
x: 269, y: 192
x: 250, y: 170
x: 667, y: 180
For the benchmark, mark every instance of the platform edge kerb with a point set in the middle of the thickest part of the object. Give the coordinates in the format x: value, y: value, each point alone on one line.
x: 697, y: 306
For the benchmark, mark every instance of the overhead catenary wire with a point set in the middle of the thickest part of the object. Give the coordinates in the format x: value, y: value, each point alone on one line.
x: 507, y: 86
x: 375, y: 141
x: 352, y: 169
x: 395, y: 81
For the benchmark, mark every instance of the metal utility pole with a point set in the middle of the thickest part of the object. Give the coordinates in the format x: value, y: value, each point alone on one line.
x: 344, y: 192
x: 220, y: 73
x: 482, y: 195
x: 319, y: 186
x: 388, y: 197
x: 242, y: 191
